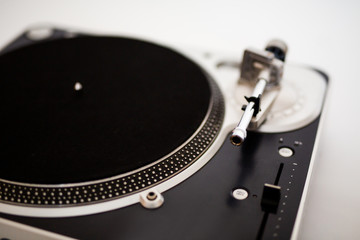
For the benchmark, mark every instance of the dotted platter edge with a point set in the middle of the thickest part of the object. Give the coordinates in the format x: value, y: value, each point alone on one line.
x: 160, y: 171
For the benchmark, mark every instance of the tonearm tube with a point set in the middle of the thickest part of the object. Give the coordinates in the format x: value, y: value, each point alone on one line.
x: 263, y: 71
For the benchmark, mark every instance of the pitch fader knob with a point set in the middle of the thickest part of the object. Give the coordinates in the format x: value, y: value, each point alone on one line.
x: 270, y: 198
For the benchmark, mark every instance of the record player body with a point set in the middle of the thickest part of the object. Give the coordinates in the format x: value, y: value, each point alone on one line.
x: 118, y: 138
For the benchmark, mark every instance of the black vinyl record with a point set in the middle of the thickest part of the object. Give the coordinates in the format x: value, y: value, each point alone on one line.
x: 137, y: 103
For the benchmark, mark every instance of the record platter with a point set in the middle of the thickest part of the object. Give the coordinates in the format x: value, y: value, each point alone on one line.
x: 108, y: 137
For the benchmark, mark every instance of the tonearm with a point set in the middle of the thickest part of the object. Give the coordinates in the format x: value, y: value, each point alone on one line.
x: 263, y: 71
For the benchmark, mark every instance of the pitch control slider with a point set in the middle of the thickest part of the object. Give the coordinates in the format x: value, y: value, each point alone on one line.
x: 263, y: 70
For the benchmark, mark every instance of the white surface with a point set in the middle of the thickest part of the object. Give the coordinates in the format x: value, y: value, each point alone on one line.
x: 325, y: 34
x: 14, y: 230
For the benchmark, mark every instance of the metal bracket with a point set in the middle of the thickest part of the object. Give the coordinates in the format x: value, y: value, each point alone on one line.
x: 255, y: 61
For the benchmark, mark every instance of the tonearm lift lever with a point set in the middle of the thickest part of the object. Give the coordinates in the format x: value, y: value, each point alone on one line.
x: 261, y: 70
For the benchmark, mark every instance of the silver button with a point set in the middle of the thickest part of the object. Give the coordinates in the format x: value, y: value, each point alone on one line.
x: 240, y: 194
x: 286, y: 152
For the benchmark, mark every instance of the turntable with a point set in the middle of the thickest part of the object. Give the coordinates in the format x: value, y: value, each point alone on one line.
x: 107, y: 137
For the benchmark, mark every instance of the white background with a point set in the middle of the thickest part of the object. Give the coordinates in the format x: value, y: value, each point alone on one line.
x: 324, y: 34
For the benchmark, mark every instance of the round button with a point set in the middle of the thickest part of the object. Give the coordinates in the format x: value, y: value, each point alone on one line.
x: 240, y: 194
x: 286, y: 152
